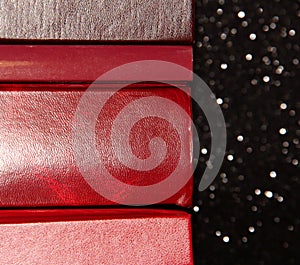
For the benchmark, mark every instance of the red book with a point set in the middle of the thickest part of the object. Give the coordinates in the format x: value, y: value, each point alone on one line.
x: 115, y: 236
x: 97, y: 20
x: 51, y: 153
x: 86, y: 63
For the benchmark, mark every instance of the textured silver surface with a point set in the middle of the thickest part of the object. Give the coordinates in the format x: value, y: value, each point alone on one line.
x: 96, y: 20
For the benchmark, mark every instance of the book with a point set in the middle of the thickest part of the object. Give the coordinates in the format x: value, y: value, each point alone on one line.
x: 98, y: 20
x: 86, y: 63
x: 52, y: 141
x: 91, y: 236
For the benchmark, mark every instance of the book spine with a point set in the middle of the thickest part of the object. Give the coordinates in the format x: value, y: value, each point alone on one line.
x: 95, y: 237
x: 86, y: 63
x: 98, y: 20
x: 47, y: 139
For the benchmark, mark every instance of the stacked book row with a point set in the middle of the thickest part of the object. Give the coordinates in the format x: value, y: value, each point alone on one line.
x: 95, y: 114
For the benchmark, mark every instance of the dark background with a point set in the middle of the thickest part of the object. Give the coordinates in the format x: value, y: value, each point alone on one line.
x: 258, y: 213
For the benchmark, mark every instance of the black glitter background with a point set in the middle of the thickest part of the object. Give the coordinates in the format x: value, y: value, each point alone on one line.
x: 248, y: 53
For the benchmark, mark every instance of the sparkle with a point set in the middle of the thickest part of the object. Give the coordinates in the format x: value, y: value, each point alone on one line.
x: 285, y: 151
x: 277, y: 83
x: 266, y: 79
x: 260, y: 10
x: 269, y: 194
x: 219, y: 11
x: 295, y: 61
x: 292, y: 32
x: 279, y: 70
x: 248, y: 57
x: 269, y: 132
x: 273, y: 25
x: 223, y: 175
x: 266, y: 60
x: 252, y: 36
x: 212, y: 187
x: 262, y: 71
x: 223, y: 36
x: 241, y: 14
x: 220, y: 101
x: 199, y: 44
x: 225, y: 180
x: 240, y: 138
x: 226, y: 239
x: 204, y: 151
x: 285, y: 144
x: 230, y: 157
x: 283, y: 106
x: 277, y: 220
x: 265, y: 28
x: 257, y: 191
x: 251, y: 229
x: 206, y: 39
x: 233, y: 31
x: 280, y: 199
x: 282, y: 131
x: 253, y: 82
x: 196, y: 209
x: 224, y: 66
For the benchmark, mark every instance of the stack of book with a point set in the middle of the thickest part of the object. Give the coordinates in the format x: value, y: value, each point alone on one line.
x: 95, y: 125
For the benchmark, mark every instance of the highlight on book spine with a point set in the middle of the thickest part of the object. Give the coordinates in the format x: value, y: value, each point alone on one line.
x: 98, y: 20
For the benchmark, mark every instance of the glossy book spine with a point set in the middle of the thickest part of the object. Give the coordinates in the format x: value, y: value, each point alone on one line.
x: 51, y: 144
x: 86, y: 63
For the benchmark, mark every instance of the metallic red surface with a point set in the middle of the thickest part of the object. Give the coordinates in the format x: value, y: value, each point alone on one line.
x: 99, y: 20
x: 95, y: 237
x: 84, y: 63
x: 37, y: 166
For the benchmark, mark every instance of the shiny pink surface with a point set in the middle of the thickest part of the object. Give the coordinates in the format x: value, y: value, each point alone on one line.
x: 95, y: 237
x: 85, y: 63
x: 37, y: 166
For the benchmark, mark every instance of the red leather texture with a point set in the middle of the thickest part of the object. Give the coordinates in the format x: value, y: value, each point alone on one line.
x: 84, y: 63
x: 37, y: 163
x: 107, y: 237
x: 101, y: 20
